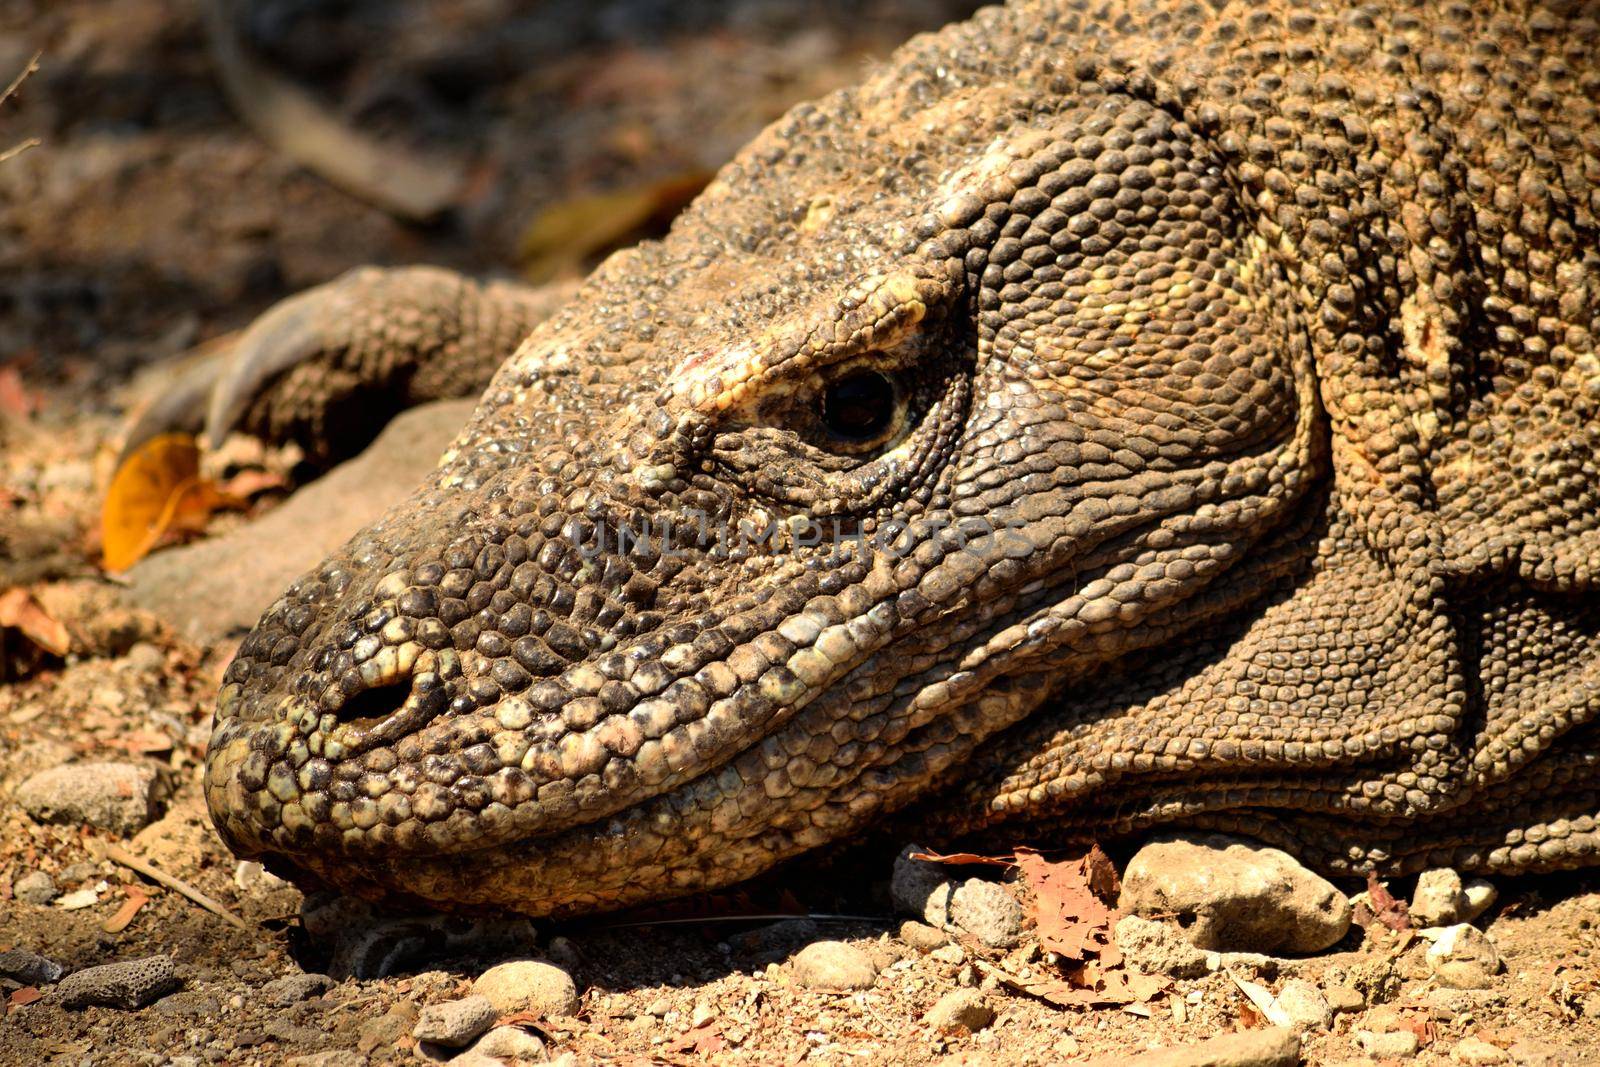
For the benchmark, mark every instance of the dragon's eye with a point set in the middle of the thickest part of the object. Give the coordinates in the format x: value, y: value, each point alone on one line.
x: 859, y: 409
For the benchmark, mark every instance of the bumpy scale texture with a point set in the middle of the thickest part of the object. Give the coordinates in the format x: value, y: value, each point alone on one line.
x: 1238, y: 470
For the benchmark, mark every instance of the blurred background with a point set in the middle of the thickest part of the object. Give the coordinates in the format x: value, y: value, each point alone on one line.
x: 157, y: 212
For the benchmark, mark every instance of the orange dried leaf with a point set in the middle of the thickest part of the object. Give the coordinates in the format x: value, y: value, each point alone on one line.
x: 1073, y: 920
x: 20, y: 611
x: 157, y: 491
x: 961, y: 859
x: 137, y: 898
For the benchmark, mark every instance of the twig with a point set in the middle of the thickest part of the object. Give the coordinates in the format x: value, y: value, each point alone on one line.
x: 291, y: 120
x: 118, y: 854
x: 16, y: 83
x: 823, y: 917
x: 32, y: 67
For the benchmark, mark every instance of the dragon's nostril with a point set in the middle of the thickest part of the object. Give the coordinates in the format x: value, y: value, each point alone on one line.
x: 370, y: 707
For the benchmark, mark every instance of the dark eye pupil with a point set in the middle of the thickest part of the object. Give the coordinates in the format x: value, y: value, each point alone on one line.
x: 858, y: 407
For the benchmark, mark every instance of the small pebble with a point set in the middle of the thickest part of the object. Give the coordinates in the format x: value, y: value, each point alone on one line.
x: 35, y: 887
x: 960, y: 1007
x: 920, y: 889
x: 1302, y: 1006
x: 986, y: 911
x: 1344, y: 998
x: 951, y: 953
x: 292, y: 989
x: 834, y: 965
x: 508, y: 1043
x: 29, y: 968
x: 921, y: 936
x: 455, y: 1023
x: 120, y: 797
x: 128, y: 984
x: 1463, y: 957
x: 1393, y: 1045
x: 528, y: 985
x: 1478, y: 1052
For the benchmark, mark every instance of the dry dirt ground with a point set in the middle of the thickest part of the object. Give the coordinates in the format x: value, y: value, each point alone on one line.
x: 149, y: 220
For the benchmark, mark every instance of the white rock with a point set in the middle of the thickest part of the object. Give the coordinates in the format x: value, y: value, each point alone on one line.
x: 1390, y: 1045
x: 1478, y: 1053
x: 1301, y: 1005
x: 120, y: 797
x: 1235, y: 895
x: 960, y: 1007
x: 528, y: 985
x: 1438, y: 899
x: 986, y: 911
x: 834, y: 965
x: 455, y: 1022
x: 1463, y: 957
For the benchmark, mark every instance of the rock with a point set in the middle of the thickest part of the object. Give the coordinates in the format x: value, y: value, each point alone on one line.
x: 29, y: 968
x: 120, y: 797
x: 1481, y: 895
x: 1439, y: 899
x: 1478, y: 1052
x: 386, y: 1029
x: 1273, y: 1046
x: 1157, y: 948
x: 986, y: 911
x: 1235, y: 895
x: 504, y: 1044
x: 834, y: 965
x: 35, y: 887
x: 1344, y: 998
x: 1463, y: 957
x: 338, y: 1057
x: 951, y: 953
x: 921, y: 936
x: 456, y: 1023
x: 221, y: 585
x: 1391, y: 1045
x: 920, y: 889
x: 960, y: 1007
x: 528, y: 985
x: 129, y: 984
x: 1301, y: 1005
x: 292, y: 989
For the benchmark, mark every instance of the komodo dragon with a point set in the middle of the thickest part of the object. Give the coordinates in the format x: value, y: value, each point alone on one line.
x: 1113, y: 413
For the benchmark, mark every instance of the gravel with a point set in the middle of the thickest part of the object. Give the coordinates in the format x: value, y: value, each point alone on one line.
x: 129, y: 984
x: 120, y: 797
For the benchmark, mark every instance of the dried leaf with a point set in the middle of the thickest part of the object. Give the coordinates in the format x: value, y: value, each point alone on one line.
x: 20, y: 611
x: 962, y: 859
x: 136, y: 899
x: 704, y: 1040
x: 15, y: 398
x: 1074, y: 921
x: 1386, y: 908
x: 26, y: 995
x: 156, y: 492
x: 565, y: 235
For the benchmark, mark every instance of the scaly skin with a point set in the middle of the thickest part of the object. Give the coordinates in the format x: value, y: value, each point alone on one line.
x: 1244, y: 435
